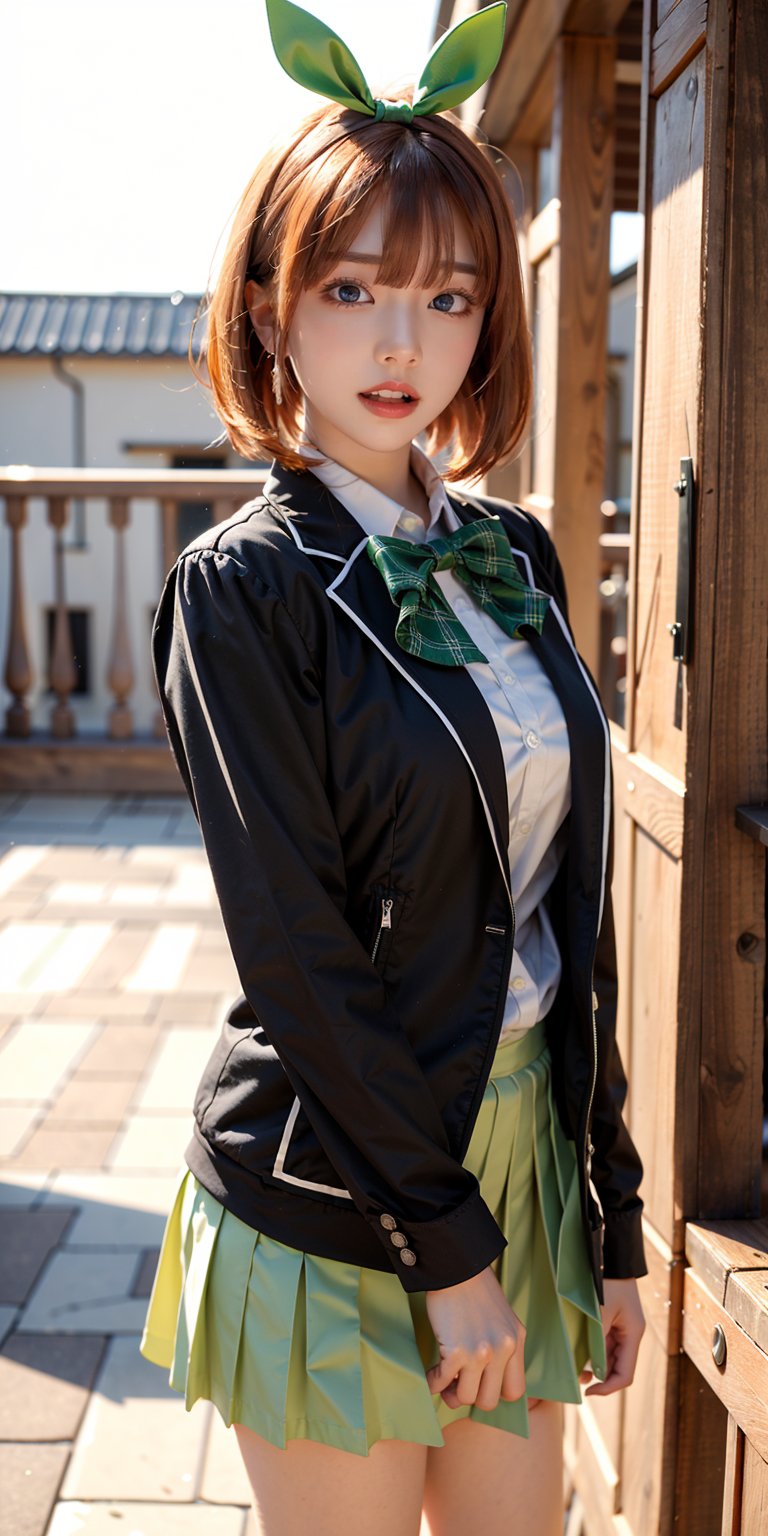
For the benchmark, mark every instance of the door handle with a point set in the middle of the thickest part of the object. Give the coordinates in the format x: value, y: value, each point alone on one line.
x: 681, y: 628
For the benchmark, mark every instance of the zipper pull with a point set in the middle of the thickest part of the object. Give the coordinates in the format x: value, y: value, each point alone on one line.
x: 386, y: 912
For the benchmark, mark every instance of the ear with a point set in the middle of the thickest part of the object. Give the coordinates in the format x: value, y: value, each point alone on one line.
x: 260, y: 311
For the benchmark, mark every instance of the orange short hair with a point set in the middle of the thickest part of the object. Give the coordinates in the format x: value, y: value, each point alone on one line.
x: 298, y: 216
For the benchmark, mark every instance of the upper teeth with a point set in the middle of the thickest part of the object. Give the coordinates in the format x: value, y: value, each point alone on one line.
x: 389, y: 394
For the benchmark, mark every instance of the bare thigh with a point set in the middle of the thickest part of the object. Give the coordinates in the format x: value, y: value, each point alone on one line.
x: 318, y: 1488
x: 485, y: 1479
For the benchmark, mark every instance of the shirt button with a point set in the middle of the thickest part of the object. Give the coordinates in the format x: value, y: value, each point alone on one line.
x: 518, y: 983
x: 388, y: 1223
x: 525, y: 826
x: 508, y: 677
x: 407, y: 1255
x: 399, y: 1239
x: 531, y: 739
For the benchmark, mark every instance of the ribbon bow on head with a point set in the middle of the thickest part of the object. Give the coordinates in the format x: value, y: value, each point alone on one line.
x: 481, y: 558
x: 318, y: 59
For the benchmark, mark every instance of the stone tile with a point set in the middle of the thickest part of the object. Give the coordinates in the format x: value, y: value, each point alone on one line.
x: 77, y: 1518
x: 16, y: 864
x: 46, y: 956
x: 114, y: 1210
x: 13, y: 1002
x: 16, y: 1125
x: 120, y: 957
x: 22, y: 905
x: 38, y: 1055
x: 137, y: 1440
x: 224, y: 1479
x: 65, y: 1146
x: 192, y: 1008
x: 175, y: 1069
x: 28, y: 1238
x: 98, y: 1100
x: 165, y: 957
x: 86, y: 1291
x: 8, y: 1316
x: 21, y: 1189
x: 59, y: 811
x: 211, y: 973
x: 103, y: 1004
x: 120, y: 1049
x: 77, y: 893
x: 145, y: 1275
x: 44, y: 1384
x: 151, y: 1142
x: 29, y: 1477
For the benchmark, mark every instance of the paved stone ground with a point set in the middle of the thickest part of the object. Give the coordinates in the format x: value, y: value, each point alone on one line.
x: 115, y: 973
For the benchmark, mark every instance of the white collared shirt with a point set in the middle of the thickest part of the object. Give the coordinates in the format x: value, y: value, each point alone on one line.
x: 531, y: 729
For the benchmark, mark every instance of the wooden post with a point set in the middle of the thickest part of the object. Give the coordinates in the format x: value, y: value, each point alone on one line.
x: 63, y: 673
x: 18, y: 669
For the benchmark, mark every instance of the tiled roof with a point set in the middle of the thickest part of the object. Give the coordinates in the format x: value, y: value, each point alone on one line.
x: 98, y: 325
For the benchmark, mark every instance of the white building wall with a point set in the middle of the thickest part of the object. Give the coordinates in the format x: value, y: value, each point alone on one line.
x: 125, y: 400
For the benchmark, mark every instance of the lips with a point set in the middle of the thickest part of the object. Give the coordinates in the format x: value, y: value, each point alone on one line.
x: 391, y: 388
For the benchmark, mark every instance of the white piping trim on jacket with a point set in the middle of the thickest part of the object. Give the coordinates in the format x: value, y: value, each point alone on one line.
x: 606, y: 731
x: 290, y: 1178
x: 295, y: 535
x: 438, y: 711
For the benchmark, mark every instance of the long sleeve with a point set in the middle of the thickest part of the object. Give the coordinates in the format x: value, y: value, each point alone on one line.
x: 243, y: 707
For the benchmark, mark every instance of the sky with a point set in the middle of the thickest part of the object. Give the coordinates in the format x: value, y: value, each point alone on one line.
x: 131, y: 131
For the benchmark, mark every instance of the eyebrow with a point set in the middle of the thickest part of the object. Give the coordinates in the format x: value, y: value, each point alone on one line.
x: 458, y: 266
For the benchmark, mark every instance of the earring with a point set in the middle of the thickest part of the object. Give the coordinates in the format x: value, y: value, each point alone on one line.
x: 277, y: 383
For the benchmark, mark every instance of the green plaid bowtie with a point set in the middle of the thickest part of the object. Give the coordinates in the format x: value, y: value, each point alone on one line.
x: 481, y: 558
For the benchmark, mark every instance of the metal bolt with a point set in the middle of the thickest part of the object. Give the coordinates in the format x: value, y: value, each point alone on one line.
x: 719, y: 1345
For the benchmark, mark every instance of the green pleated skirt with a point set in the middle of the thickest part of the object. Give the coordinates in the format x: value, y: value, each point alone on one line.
x: 301, y: 1347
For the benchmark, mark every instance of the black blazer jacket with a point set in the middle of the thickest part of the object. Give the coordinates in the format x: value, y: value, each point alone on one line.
x: 352, y: 802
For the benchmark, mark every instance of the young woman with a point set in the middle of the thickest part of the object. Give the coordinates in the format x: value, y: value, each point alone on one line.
x: 407, y: 1226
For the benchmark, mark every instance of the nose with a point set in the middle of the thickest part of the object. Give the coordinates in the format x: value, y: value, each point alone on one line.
x: 398, y: 343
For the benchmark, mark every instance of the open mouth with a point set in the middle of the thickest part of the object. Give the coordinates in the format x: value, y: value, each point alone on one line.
x: 388, y: 394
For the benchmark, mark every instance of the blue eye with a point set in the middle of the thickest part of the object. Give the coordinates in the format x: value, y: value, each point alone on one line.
x: 351, y: 294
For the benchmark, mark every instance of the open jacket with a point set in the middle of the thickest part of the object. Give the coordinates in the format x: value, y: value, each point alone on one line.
x: 352, y: 801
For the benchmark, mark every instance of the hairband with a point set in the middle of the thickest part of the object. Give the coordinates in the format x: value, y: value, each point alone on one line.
x: 318, y: 59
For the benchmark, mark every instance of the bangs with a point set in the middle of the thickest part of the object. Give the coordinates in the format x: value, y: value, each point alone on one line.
x: 421, y: 193
x: 299, y: 218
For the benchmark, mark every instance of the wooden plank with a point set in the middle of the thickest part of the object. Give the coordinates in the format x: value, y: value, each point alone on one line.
x: 653, y: 1065
x: 529, y: 42
x: 754, y: 1507
x: 746, y: 1301
x: 676, y: 41
x: 734, y: 1471
x: 673, y: 313
x: 741, y: 1382
x: 98, y: 767
x: 544, y: 232
x: 717, y: 1249
x: 730, y: 596
x: 583, y: 145
x: 661, y: 1291
x: 653, y: 798
x: 700, y: 1461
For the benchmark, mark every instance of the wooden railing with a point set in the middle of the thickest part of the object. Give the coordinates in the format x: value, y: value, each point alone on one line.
x: 54, y: 756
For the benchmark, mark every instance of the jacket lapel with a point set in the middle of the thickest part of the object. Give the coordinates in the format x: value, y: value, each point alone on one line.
x: 323, y: 527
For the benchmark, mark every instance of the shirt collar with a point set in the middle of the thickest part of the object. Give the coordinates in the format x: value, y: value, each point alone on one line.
x: 381, y: 514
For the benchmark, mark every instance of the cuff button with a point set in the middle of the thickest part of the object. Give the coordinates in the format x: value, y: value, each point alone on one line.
x: 388, y: 1223
x: 399, y: 1239
x: 407, y: 1255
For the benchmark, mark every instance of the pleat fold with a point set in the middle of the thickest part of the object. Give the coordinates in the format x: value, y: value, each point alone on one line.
x: 299, y: 1346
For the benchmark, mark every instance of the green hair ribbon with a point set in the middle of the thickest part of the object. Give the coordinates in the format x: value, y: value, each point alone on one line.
x: 318, y: 59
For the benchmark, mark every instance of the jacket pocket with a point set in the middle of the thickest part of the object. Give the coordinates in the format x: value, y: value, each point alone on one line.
x: 387, y: 904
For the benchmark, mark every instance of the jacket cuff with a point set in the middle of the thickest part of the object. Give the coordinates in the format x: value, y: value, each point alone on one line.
x: 623, y: 1248
x: 430, y: 1255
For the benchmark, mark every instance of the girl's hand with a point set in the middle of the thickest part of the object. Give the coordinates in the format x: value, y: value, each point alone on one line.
x: 623, y: 1327
x: 481, y: 1342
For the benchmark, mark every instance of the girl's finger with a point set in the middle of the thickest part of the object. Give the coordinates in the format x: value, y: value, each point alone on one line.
x: 513, y: 1380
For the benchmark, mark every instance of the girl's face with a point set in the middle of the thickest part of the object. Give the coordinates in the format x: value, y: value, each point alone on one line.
x: 351, y: 336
